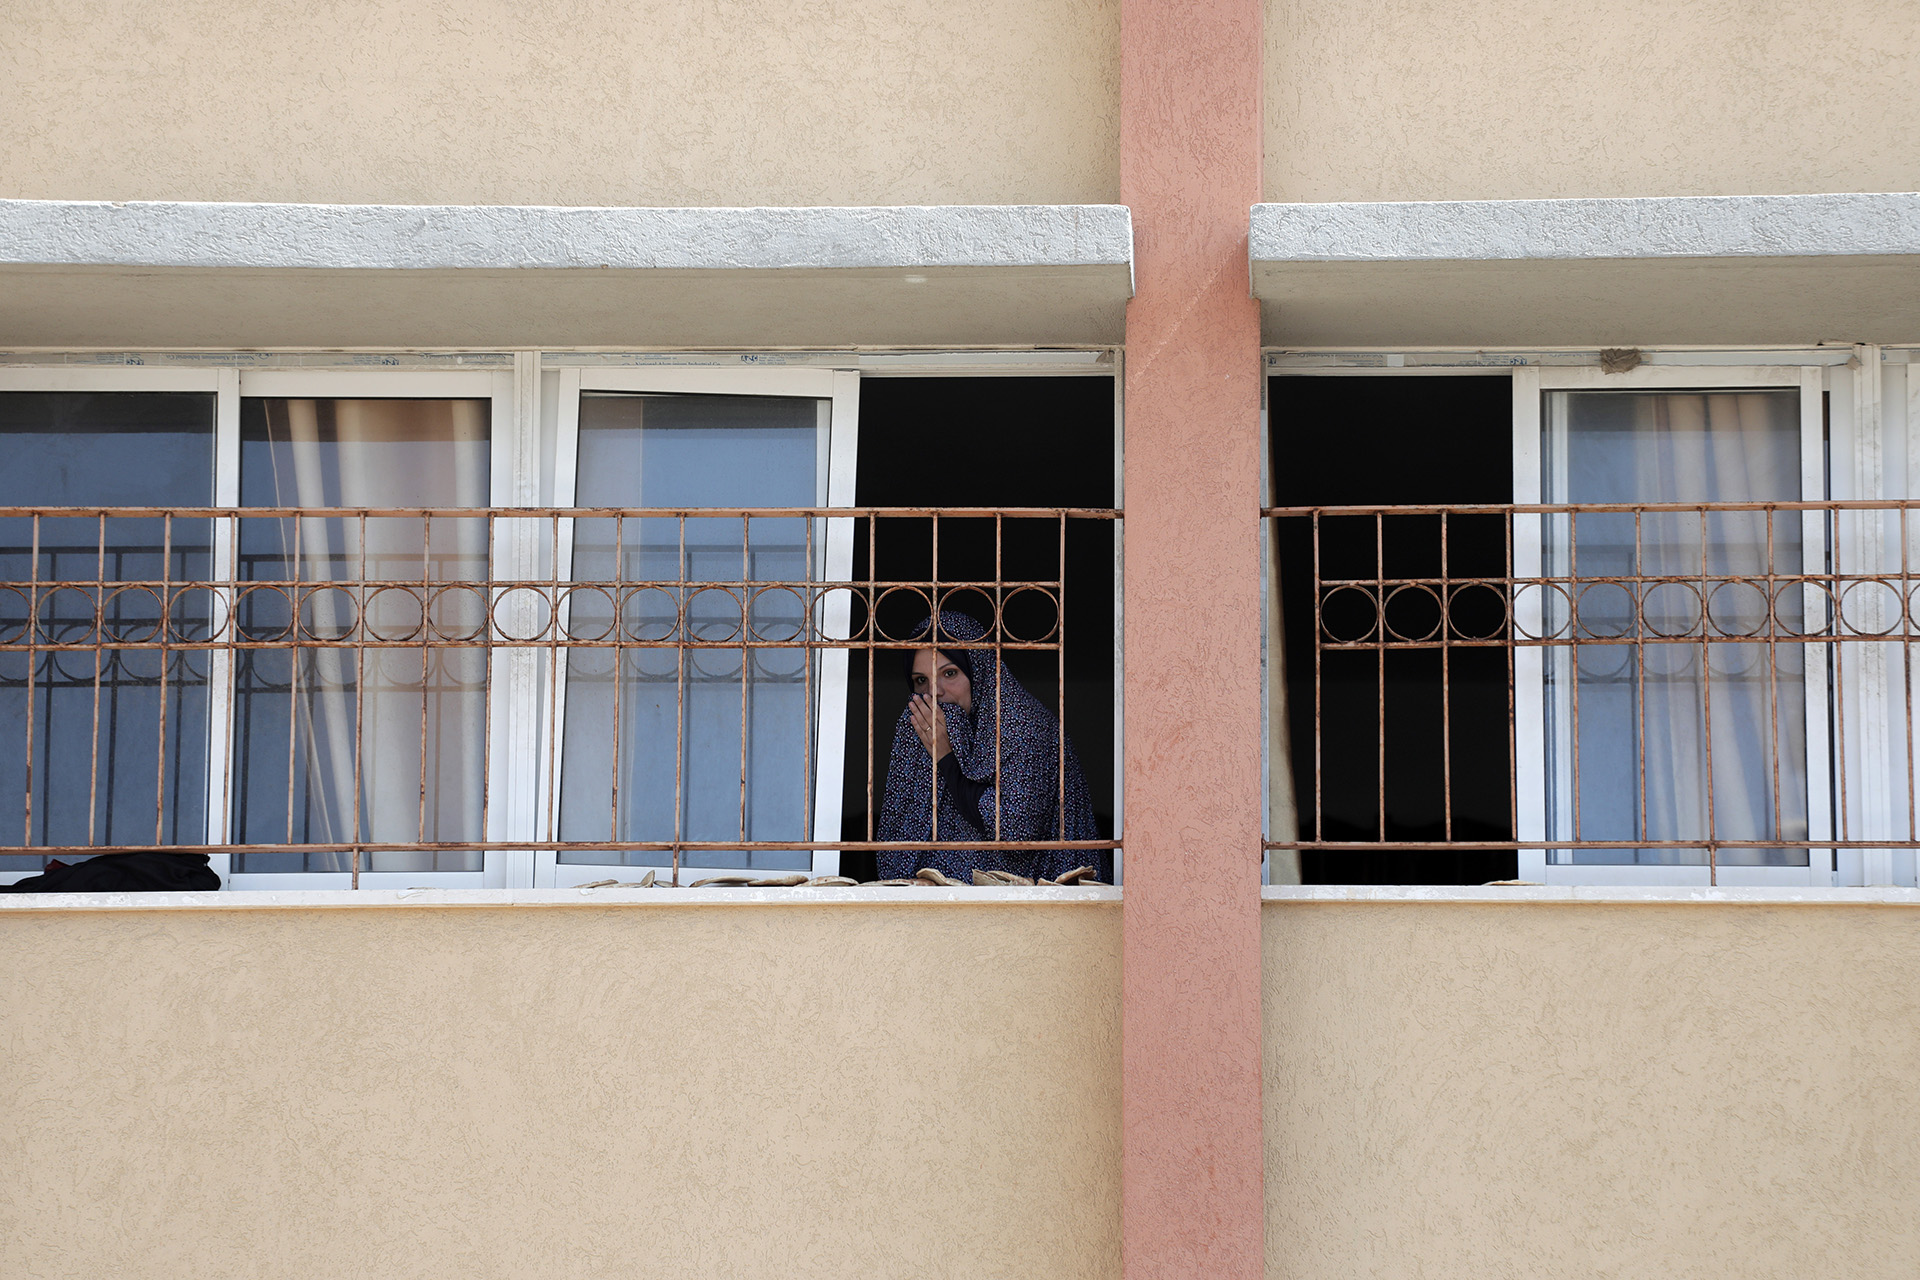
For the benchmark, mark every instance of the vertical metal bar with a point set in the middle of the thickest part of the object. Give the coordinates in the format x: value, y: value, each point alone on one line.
x: 1060, y: 652
x: 486, y: 694
x: 999, y: 609
x: 359, y: 696
x: 1446, y: 687
x: 426, y: 573
x: 290, y: 581
x: 1319, y: 805
x: 1706, y: 694
x: 1380, y: 672
x: 1513, y: 679
x: 1638, y: 655
x: 1906, y: 662
x: 746, y: 654
x: 681, y: 630
x: 33, y: 669
x: 873, y: 631
x: 619, y: 673
x: 553, y: 671
x: 934, y: 637
x: 1773, y: 688
x: 160, y: 752
x: 809, y: 714
x: 1573, y: 651
x: 99, y: 625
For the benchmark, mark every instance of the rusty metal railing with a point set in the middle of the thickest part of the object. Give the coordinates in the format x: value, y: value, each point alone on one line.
x: 1711, y: 682
x: 247, y: 608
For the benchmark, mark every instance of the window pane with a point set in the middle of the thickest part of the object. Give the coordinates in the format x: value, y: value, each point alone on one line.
x: 732, y: 722
x: 1633, y: 704
x: 119, y: 734
x: 316, y: 723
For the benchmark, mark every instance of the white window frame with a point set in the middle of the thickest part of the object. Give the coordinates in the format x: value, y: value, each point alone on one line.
x: 506, y: 428
x: 838, y: 394
x: 1530, y: 387
x: 138, y: 378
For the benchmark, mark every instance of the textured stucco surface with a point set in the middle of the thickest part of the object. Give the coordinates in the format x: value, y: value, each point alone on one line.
x: 1795, y: 226
x: 574, y: 102
x: 1190, y: 167
x: 1476, y: 100
x: 1485, y: 1091
x: 402, y: 237
x: 587, y: 1091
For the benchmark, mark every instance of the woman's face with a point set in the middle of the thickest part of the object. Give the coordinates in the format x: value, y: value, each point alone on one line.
x: 935, y: 673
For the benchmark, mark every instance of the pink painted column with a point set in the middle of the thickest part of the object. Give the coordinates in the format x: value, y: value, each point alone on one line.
x: 1190, y: 157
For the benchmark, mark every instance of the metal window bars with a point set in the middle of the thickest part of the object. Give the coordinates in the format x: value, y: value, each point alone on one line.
x: 1632, y: 641
x: 267, y: 584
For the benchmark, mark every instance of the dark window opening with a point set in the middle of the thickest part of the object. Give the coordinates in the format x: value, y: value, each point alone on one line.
x: 1394, y: 440
x: 988, y: 442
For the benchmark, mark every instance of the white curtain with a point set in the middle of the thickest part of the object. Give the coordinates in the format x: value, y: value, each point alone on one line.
x: 1678, y: 740
x: 419, y: 712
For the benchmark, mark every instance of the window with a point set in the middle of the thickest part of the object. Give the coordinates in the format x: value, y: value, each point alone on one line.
x: 1698, y: 650
x: 460, y: 654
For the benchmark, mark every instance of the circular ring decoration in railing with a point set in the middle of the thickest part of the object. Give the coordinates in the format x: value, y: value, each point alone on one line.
x: 1349, y: 615
x: 1803, y: 608
x: 1671, y: 610
x: 839, y: 609
x: 983, y: 609
x: 1030, y: 615
x: 264, y: 615
x: 649, y: 615
x: 1604, y: 611
x: 1477, y: 611
x: 587, y: 614
x: 195, y: 614
x: 14, y: 613
x: 1871, y: 607
x: 523, y: 615
x: 777, y: 615
x: 458, y: 614
x: 898, y: 613
x: 1542, y: 611
x: 68, y: 615
x: 1413, y: 613
x: 396, y: 614
x: 1738, y: 608
x: 131, y: 615
x: 716, y: 615
x: 328, y: 614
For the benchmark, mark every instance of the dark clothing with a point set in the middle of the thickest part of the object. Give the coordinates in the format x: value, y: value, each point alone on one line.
x: 123, y: 873
x: 1005, y: 762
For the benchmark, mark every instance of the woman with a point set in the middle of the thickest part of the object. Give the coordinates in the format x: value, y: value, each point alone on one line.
x: 944, y: 751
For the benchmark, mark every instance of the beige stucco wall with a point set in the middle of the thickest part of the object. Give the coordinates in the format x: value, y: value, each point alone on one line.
x: 570, y: 102
x: 556, y: 1092
x: 1481, y: 1091
x: 1520, y: 99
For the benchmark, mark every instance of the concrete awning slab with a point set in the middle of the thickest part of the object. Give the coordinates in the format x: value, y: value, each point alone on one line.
x: 174, y: 275
x: 1667, y: 271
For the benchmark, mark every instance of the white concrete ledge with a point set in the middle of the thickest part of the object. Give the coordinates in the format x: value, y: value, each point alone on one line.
x: 1672, y: 270
x: 438, y: 237
x: 1649, y: 227
x: 324, y: 899
x: 180, y: 275
x: 1592, y: 895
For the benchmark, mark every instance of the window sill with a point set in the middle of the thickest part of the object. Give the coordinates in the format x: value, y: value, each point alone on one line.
x: 313, y: 899
x: 1593, y: 895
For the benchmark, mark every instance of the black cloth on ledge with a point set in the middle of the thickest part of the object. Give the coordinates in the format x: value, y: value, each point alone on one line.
x: 123, y: 873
